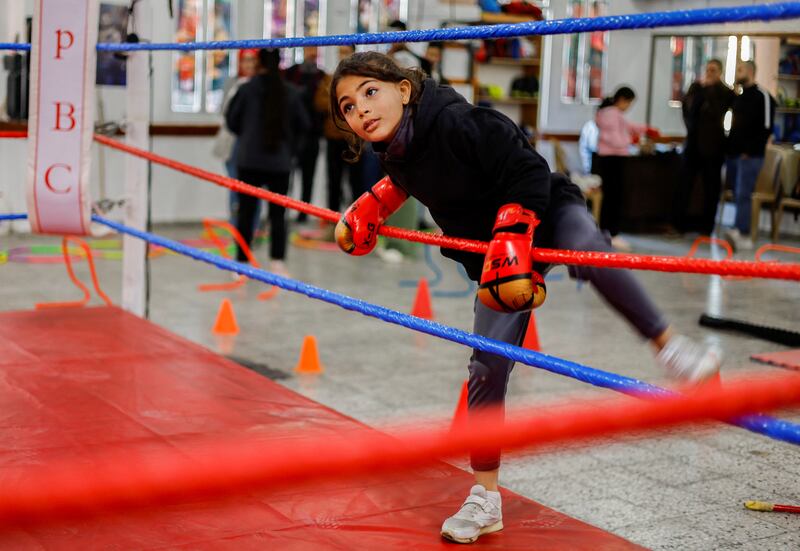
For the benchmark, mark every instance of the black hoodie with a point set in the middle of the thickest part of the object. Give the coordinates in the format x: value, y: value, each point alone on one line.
x: 464, y: 163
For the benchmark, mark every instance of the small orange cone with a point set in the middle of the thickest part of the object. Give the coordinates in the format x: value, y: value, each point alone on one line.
x: 531, y: 340
x: 422, y: 302
x: 462, y: 409
x: 226, y: 320
x: 309, y: 357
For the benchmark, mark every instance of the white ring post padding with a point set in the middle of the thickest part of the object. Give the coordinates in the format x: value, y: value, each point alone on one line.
x: 137, y: 133
x: 61, y: 121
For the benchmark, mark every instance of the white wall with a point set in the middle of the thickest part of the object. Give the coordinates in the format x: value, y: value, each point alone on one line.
x: 629, y: 56
x: 176, y: 197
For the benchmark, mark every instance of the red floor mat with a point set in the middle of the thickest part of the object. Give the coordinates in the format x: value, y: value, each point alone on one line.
x: 74, y: 379
x: 790, y: 359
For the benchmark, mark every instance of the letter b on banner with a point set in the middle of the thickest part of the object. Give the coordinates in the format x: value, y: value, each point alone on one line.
x: 61, y: 121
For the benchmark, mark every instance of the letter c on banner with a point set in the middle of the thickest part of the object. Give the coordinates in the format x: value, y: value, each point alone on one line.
x: 49, y: 184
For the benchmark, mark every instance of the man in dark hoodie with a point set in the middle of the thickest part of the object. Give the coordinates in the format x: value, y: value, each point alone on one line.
x: 704, y: 108
x: 751, y: 127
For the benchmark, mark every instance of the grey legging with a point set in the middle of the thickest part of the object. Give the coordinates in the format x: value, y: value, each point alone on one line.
x: 569, y: 227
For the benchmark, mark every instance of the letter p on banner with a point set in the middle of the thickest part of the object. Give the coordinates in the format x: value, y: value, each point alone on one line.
x: 61, y: 121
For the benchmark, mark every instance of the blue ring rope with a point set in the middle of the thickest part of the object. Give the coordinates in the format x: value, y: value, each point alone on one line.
x: 762, y: 424
x: 703, y: 16
x: 769, y: 426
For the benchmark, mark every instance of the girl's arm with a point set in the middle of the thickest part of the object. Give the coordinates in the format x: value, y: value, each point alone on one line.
x: 234, y: 112
x: 634, y: 129
x: 300, y: 120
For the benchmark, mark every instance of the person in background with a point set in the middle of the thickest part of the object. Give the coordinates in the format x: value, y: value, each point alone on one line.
x: 433, y: 57
x: 587, y: 145
x: 402, y: 55
x: 306, y: 76
x: 615, y: 135
x: 336, y: 145
x: 704, y: 108
x: 268, y: 116
x: 225, y: 141
x: 751, y: 127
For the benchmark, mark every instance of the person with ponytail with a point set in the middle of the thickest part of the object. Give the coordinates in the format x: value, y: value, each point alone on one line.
x: 268, y: 116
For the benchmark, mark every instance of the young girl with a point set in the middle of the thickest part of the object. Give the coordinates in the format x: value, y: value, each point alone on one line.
x: 481, y: 179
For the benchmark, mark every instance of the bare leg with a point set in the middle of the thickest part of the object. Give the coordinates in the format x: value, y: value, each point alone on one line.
x: 487, y: 479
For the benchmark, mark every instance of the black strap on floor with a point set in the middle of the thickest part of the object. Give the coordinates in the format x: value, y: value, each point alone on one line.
x: 772, y: 334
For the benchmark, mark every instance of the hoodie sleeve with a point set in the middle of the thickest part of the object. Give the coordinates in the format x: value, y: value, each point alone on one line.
x: 234, y: 112
x: 515, y: 172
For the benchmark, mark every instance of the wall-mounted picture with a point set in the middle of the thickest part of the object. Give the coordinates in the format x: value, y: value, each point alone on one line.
x: 112, y: 28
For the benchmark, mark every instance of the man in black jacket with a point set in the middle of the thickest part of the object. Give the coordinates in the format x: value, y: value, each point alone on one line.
x: 704, y: 108
x: 751, y: 127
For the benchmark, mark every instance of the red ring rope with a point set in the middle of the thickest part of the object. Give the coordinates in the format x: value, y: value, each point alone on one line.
x: 125, y: 475
x: 789, y: 271
x: 551, y: 256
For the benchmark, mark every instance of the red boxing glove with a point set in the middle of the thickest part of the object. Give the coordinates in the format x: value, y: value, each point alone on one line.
x: 508, y: 282
x: 652, y: 133
x: 357, y: 232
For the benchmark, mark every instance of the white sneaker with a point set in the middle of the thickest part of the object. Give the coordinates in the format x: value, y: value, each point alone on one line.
x: 278, y: 267
x: 480, y: 514
x: 390, y: 256
x: 689, y: 361
x: 621, y: 244
x: 738, y: 241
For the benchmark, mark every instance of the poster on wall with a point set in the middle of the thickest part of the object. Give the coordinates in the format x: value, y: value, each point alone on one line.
x: 364, y: 16
x: 186, y: 73
x: 598, y: 42
x: 112, y: 28
x: 677, y: 48
x: 391, y: 10
x: 311, y: 18
x: 219, y: 63
x: 572, y: 48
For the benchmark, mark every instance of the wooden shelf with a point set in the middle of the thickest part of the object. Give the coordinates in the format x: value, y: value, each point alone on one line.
x: 516, y: 62
x: 459, y: 81
x: 495, y: 18
x: 784, y: 76
x: 787, y: 110
x: 509, y: 101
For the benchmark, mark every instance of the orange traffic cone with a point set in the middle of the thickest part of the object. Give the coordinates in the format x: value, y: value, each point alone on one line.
x: 531, y: 340
x: 422, y: 302
x: 462, y: 409
x: 309, y: 357
x: 226, y: 320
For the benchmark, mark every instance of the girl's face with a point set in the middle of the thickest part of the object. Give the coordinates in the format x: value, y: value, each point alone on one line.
x: 372, y: 108
x: 624, y: 104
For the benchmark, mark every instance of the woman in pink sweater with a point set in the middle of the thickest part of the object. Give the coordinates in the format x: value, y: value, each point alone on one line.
x: 615, y: 137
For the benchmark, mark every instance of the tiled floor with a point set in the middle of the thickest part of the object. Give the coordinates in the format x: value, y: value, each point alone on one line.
x: 681, y: 489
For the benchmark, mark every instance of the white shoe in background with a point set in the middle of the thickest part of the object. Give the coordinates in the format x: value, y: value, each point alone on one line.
x: 689, y: 361
x: 278, y: 267
x: 738, y: 241
x: 390, y: 256
x: 481, y: 513
x: 621, y: 244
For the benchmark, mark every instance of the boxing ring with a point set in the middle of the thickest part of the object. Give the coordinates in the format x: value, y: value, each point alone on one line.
x: 101, y: 451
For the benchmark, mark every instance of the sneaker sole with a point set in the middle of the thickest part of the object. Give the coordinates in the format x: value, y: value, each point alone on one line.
x: 496, y: 527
